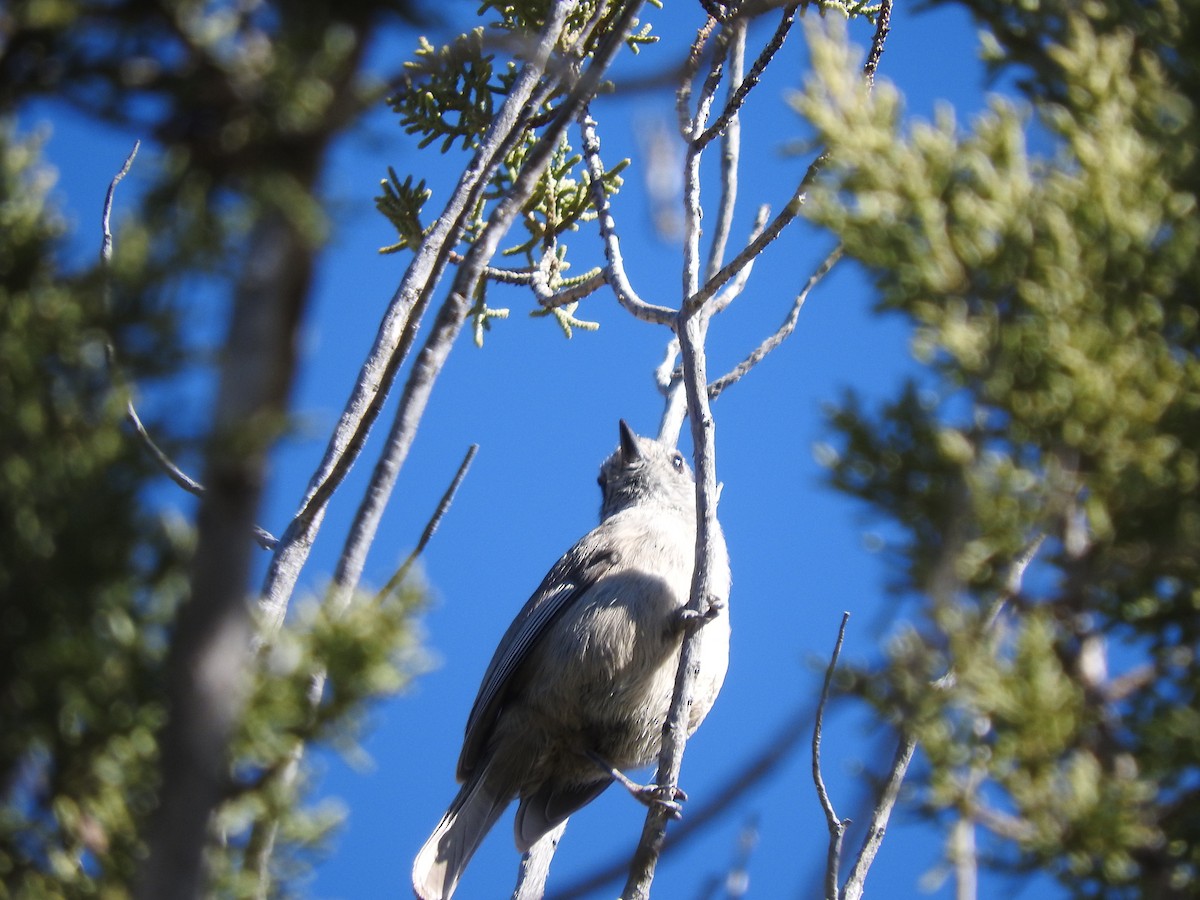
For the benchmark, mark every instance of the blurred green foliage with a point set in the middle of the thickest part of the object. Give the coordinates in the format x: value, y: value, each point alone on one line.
x: 240, y: 106
x: 87, y: 577
x: 1053, y: 300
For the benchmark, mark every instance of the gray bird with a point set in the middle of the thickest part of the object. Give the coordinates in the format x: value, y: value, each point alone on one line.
x: 579, y: 687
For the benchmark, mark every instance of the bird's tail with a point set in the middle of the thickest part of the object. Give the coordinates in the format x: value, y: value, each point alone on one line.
x: 441, y: 861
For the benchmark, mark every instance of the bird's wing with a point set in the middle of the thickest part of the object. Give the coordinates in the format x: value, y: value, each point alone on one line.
x: 578, y: 569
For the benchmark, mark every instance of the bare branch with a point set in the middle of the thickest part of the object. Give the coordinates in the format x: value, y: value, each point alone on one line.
x: 877, y: 827
x: 837, y: 828
x: 614, y: 272
x: 522, y: 276
x: 883, y: 27
x: 691, y: 66
x: 904, y: 752
x: 691, y: 182
x: 676, y: 406
x: 176, y: 474
x: 1013, y: 580
x: 788, y: 326
x: 756, y: 246
x: 963, y: 850
x: 107, y: 241
x: 263, y: 537
x: 160, y: 457
x: 431, y: 526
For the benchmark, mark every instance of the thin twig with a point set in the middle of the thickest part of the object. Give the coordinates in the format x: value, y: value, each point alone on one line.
x: 837, y: 827
x: 731, y: 145
x: 692, y: 65
x: 691, y: 182
x: 883, y: 27
x: 431, y: 526
x: 907, y: 746
x: 737, y: 284
x: 741, y: 87
x: 756, y: 246
x: 520, y: 277
x: 261, y: 536
x: 788, y: 326
x: 176, y: 474
x: 550, y: 300
x: 107, y: 241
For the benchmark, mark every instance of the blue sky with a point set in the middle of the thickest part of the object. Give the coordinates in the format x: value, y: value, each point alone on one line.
x: 544, y: 411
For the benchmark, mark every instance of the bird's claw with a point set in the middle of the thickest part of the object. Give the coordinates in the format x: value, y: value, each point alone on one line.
x: 648, y: 794
x: 688, y: 617
x: 671, y: 799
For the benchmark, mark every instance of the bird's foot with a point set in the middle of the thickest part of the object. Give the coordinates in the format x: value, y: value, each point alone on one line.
x: 671, y: 798
x: 687, y: 617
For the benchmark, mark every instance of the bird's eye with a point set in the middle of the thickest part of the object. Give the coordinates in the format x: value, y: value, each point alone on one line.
x: 677, y: 461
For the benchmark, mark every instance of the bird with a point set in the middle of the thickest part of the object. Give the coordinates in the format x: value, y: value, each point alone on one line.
x: 580, y: 685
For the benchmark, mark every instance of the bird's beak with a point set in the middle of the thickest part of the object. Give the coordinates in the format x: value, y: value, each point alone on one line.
x: 629, y: 445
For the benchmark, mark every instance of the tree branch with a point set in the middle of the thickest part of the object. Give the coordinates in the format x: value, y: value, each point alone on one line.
x: 690, y: 329
x: 106, y: 244
x: 614, y: 271
x: 877, y: 827
x: 740, y: 87
x: 397, y: 331
x: 263, y: 537
x: 785, y: 330
x: 774, y: 751
x: 837, y: 827
x: 737, y: 284
x: 883, y: 27
x: 535, y: 865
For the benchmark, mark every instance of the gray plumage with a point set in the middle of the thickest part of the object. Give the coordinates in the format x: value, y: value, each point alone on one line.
x: 587, y: 668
